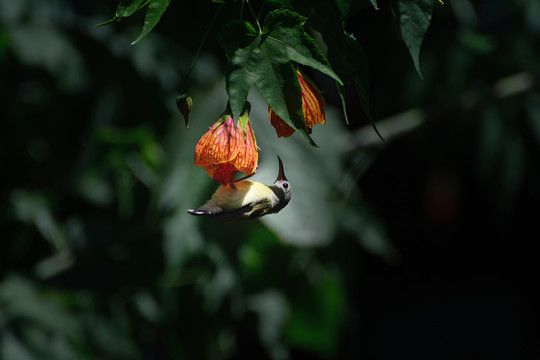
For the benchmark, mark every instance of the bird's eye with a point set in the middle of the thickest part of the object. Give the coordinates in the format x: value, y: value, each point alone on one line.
x: 285, y: 185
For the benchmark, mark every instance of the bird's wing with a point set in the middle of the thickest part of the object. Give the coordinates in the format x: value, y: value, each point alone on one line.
x: 245, y: 200
x: 246, y: 212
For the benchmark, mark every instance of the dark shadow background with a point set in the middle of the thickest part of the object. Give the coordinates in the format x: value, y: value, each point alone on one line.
x: 88, y: 263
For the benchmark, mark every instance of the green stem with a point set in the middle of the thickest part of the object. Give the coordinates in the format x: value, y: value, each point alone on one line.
x: 261, y: 9
x: 200, y: 47
x: 143, y: 5
x: 242, y: 10
x: 255, y: 16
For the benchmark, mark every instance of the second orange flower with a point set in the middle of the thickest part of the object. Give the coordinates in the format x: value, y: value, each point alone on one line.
x: 312, y: 106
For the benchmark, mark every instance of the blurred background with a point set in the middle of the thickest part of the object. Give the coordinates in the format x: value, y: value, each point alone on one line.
x: 418, y: 247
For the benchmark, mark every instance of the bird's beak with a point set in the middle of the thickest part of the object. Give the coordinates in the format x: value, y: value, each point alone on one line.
x: 281, y: 173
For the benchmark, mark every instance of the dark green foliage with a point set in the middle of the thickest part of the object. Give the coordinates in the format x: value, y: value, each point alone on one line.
x: 414, y: 18
x: 267, y: 58
x: 263, y: 56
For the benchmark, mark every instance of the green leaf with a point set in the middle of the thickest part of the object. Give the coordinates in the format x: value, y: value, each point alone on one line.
x: 348, y: 8
x: 124, y: 9
x: 235, y: 38
x: 357, y: 67
x: 244, y: 118
x: 348, y: 58
x: 127, y: 8
x: 414, y: 18
x: 287, y: 38
x: 282, y: 91
x: 267, y: 59
x: 156, y: 8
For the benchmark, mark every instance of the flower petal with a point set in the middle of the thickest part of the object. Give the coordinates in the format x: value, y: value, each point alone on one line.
x: 221, y: 173
x: 313, y: 103
x: 282, y: 128
x: 248, y: 156
x: 218, y: 145
x: 200, y: 148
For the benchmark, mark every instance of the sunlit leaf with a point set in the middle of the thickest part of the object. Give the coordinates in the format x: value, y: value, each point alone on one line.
x: 288, y: 40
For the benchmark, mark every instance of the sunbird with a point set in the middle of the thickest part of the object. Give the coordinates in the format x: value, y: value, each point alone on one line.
x: 244, y: 200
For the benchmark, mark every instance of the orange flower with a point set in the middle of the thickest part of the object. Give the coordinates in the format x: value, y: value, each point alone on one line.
x: 312, y: 106
x: 225, y: 149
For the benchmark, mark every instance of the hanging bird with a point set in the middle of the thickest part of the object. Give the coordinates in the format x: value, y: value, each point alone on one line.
x: 244, y: 200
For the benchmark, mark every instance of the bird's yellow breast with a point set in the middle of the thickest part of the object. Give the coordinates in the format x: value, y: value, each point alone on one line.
x: 240, y: 194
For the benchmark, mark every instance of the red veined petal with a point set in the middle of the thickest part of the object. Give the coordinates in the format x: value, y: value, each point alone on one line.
x: 220, y: 146
x: 200, y: 148
x: 312, y: 103
x: 248, y: 156
x: 221, y: 173
x: 281, y: 127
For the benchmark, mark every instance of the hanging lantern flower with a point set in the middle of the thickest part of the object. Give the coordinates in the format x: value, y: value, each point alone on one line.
x: 312, y: 106
x: 226, y: 149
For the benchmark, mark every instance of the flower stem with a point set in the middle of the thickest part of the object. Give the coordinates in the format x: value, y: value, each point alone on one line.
x: 200, y: 46
x: 255, y: 16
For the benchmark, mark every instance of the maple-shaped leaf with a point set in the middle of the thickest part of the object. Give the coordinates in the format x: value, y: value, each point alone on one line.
x: 267, y: 58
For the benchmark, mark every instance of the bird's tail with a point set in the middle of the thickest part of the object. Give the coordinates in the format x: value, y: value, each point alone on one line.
x: 199, y: 212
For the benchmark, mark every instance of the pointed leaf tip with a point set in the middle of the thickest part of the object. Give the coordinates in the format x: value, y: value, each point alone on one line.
x: 155, y: 10
x: 414, y: 18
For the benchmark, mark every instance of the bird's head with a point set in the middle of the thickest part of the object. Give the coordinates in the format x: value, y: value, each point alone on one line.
x: 282, y: 188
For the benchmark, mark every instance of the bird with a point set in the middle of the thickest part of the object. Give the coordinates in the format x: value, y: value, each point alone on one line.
x: 245, y: 199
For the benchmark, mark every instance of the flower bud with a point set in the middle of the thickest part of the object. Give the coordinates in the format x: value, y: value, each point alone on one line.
x: 184, y: 103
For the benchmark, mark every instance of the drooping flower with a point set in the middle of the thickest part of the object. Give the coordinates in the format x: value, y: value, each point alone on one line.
x: 312, y: 106
x: 226, y: 149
